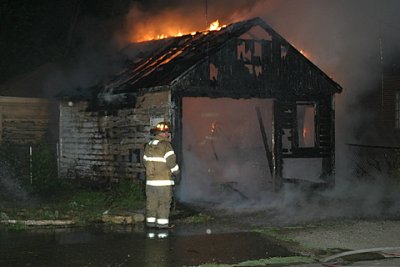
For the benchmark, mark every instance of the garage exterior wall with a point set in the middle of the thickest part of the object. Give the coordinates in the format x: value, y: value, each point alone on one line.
x: 24, y: 120
x: 107, y: 146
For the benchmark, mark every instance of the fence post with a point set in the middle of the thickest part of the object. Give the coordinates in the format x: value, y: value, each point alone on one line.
x: 30, y: 164
x: 58, y: 159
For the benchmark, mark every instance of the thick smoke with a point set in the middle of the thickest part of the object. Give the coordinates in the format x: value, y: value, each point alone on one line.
x: 346, y: 39
x: 10, y: 188
x: 225, y: 168
x: 350, y: 41
x: 95, y: 58
x: 223, y: 149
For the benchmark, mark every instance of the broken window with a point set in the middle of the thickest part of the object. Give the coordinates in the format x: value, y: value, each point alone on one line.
x: 286, y: 141
x: 250, y: 49
x: 397, y: 110
x: 243, y: 51
x: 258, y: 70
x: 250, y: 52
x: 306, y: 124
x: 135, y: 155
x: 213, y: 72
x: 249, y: 68
x: 284, y: 51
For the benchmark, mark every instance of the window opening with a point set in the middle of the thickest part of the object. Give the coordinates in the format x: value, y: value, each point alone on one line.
x: 306, y: 125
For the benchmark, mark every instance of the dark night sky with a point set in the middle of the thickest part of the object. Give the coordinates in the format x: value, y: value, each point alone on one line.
x: 35, y: 32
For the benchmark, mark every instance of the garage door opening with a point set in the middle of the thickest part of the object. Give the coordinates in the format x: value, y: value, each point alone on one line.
x: 223, y: 149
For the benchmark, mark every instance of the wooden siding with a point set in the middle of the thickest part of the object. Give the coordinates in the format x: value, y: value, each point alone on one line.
x: 105, y: 147
x: 388, y: 98
x: 24, y: 120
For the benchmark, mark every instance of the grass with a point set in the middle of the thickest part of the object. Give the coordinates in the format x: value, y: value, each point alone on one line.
x: 276, y: 233
x: 277, y: 261
x: 83, y: 205
x: 265, y: 262
x: 197, y: 219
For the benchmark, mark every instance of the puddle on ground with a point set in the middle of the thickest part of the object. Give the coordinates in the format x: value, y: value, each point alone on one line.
x: 101, y: 246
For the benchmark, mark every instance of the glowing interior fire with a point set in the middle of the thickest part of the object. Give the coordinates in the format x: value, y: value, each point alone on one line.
x: 176, y: 32
x: 305, y: 133
x: 213, y: 126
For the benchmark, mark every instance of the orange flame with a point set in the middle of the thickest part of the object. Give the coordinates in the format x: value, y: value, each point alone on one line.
x: 306, y: 54
x: 214, y: 26
x: 173, y: 31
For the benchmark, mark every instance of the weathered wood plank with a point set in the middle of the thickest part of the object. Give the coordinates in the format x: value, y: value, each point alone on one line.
x: 39, y: 222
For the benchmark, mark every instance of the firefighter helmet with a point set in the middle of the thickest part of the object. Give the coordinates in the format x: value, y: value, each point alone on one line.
x: 161, y: 127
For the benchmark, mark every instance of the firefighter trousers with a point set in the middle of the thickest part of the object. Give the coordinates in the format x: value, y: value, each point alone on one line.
x: 158, y: 204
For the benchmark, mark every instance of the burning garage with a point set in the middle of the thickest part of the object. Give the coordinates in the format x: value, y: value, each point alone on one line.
x: 248, y: 110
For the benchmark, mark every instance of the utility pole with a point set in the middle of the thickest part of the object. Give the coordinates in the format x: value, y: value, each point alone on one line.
x: 206, y: 13
x: 382, y: 64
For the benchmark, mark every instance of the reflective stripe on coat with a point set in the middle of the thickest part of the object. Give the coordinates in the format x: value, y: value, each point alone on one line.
x: 160, y: 162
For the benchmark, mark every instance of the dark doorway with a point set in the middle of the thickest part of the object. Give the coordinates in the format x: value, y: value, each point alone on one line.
x: 224, y: 156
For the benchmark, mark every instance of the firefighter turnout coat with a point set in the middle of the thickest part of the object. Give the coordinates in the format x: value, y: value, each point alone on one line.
x: 160, y: 163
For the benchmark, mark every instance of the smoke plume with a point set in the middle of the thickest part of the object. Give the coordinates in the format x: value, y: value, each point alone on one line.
x: 350, y: 41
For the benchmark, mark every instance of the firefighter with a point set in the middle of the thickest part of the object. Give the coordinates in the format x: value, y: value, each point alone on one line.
x: 160, y: 163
